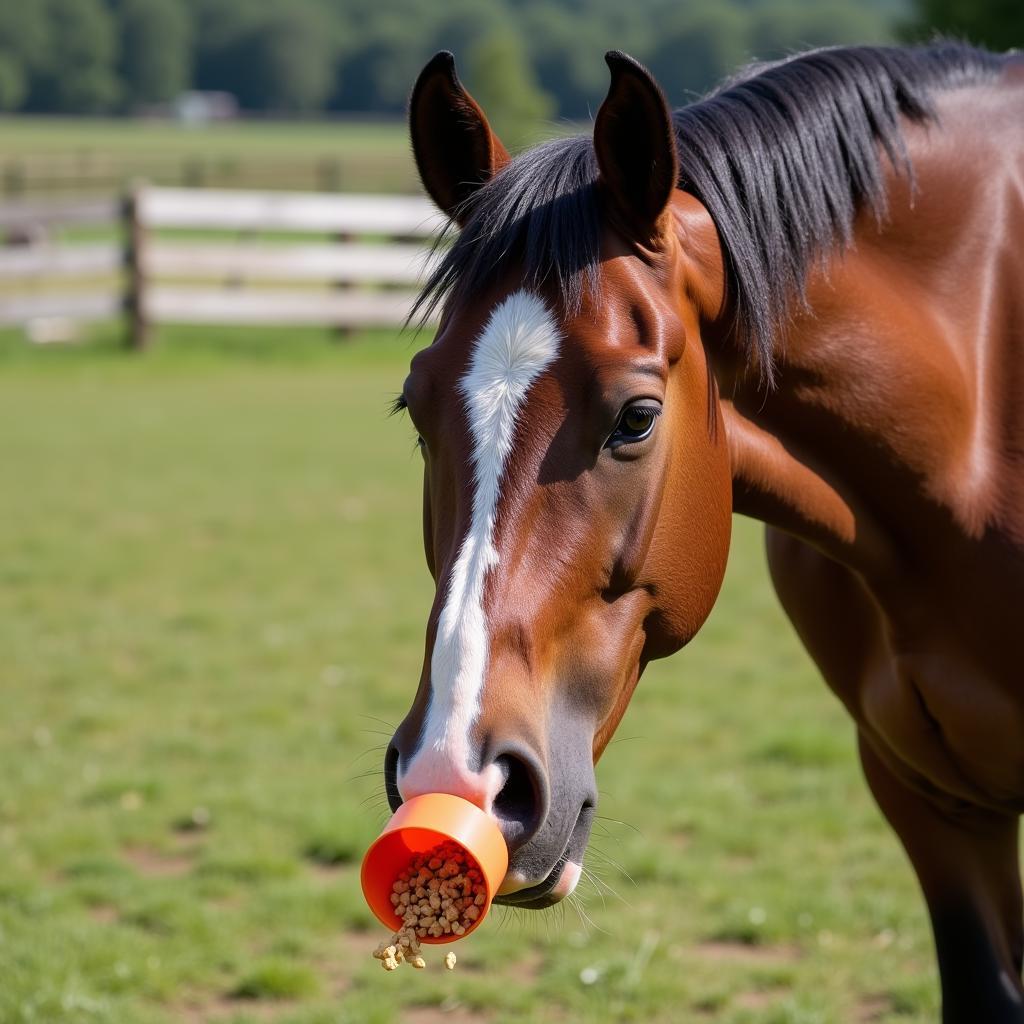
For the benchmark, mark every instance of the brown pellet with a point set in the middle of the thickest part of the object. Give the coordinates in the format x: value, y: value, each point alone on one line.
x: 441, y: 892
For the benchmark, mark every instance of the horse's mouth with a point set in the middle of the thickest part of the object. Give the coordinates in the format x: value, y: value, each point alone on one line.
x: 561, y: 880
x: 538, y: 896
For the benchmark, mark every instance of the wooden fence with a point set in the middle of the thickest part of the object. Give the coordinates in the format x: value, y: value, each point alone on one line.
x: 215, y: 257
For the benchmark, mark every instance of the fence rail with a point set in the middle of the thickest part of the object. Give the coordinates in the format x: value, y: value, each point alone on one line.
x: 41, y: 214
x: 164, y: 270
x: 48, y: 260
x: 279, y: 308
x: 98, y: 304
x: 288, y: 211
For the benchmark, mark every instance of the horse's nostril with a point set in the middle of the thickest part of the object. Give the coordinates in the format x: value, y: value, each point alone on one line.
x: 518, y: 802
x: 391, y: 777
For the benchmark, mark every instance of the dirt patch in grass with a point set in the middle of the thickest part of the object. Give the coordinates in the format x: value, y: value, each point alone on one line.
x: 225, y: 1008
x: 872, y: 1008
x: 152, y: 863
x: 529, y: 967
x: 746, y: 953
x: 681, y: 839
x: 360, y: 940
x: 756, y: 1000
x: 326, y: 874
x: 104, y: 913
x: 444, y: 1013
x: 189, y: 842
x: 740, y: 861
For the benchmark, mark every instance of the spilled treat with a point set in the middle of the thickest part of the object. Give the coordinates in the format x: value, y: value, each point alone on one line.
x: 403, y: 948
x: 441, y: 892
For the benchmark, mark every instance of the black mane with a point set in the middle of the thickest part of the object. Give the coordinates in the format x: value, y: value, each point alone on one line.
x: 782, y: 155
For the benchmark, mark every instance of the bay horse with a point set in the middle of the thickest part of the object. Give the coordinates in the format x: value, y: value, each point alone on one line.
x: 800, y: 299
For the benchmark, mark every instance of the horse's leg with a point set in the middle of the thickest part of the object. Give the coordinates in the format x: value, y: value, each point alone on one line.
x: 968, y: 869
x: 969, y: 872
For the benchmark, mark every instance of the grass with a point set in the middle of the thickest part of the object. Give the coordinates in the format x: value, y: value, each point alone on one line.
x: 67, y: 153
x: 212, y: 601
x: 125, y: 136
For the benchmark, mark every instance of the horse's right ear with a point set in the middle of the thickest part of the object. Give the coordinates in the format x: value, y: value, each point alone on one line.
x: 456, y: 152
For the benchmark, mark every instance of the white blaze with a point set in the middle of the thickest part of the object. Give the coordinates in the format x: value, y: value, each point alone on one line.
x: 519, y: 341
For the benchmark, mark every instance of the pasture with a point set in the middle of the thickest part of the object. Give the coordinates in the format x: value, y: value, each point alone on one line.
x: 118, y: 136
x: 212, y: 602
x: 54, y: 154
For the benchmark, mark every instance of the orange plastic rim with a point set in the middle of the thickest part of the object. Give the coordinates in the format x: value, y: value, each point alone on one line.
x: 419, y: 825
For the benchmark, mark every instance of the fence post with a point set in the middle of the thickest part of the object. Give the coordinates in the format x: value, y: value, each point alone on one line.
x: 139, y: 332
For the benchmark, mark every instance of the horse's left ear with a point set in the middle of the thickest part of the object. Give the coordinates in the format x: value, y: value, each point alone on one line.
x: 456, y: 152
x: 635, y: 144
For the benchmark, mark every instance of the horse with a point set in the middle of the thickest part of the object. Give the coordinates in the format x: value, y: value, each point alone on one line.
x: 799, y: 299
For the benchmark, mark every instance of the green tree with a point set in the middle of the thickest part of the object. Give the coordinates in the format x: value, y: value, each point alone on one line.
x: 77, y: 73
x: 791, y: 26
x: 530, y: 59
x: 698, y: 48
x: 216, y: 28
x: 154, y: 58
x: 383, y: 46
x: 566, y: 51
x: 998, y: 24
x: 289, y: 60
x: 277, y: 58
x: 503, y: 83
x: 23, y: 41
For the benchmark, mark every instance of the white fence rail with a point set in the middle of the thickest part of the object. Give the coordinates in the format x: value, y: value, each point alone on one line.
x: 98, y: 304
x: 361, y: 271
x: 35, y: 261
x: 41, y: 214
x: 350, y: 262
x: 288, y: 211
x: 278, y: 308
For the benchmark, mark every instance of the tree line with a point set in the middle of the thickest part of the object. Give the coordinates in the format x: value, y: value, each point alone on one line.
x: 532, y: 58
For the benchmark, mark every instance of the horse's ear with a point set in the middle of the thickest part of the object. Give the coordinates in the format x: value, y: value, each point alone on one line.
x: 456, y: 152
x: 635, y: 145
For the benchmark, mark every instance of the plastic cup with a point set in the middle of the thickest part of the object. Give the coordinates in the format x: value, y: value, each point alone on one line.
x: 419, y: 825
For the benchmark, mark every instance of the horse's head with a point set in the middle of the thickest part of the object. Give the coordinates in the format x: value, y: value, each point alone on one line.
x: 577, y: 492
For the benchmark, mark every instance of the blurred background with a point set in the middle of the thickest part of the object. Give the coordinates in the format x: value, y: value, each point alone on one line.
x: 212, y: 588
x: 534, y: 64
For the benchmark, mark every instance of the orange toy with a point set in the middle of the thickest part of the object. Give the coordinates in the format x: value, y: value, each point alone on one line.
x: 419, y: 825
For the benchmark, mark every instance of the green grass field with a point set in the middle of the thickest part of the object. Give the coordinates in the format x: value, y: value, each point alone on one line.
x: 122, y: 136
x: 66, y: 155
x: 212, y: 601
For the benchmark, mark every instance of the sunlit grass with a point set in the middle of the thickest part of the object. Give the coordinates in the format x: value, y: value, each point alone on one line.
x: 27, y: 134
x: 212, y: 601
x: 69, y: 155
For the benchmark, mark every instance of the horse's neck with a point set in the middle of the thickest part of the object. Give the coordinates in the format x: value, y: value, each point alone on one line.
x: 901, y: 390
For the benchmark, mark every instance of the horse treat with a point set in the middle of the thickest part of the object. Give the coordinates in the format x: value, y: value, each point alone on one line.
x: 442, y: 892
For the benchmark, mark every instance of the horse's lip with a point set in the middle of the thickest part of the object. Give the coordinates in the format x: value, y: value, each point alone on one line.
x: 536, y: 897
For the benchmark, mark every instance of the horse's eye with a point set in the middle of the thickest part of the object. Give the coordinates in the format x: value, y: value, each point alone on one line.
x: 635, y: 423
